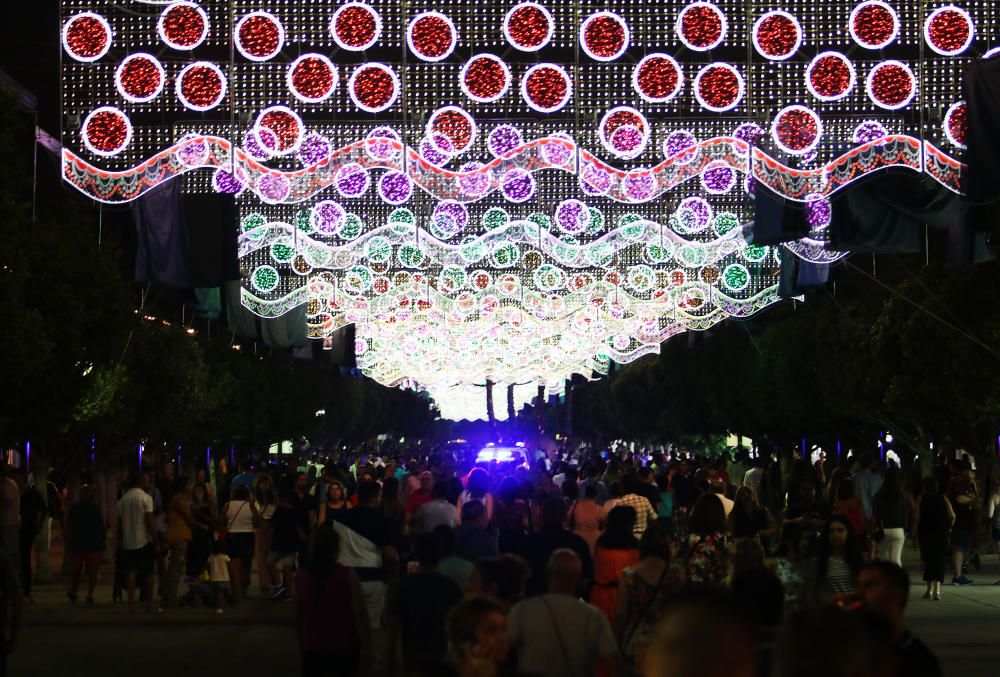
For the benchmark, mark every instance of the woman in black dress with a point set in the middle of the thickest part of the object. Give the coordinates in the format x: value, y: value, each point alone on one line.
x: 933, y: 528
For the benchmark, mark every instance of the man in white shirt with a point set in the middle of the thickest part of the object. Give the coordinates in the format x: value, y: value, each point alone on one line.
x: 558, y: 634
x: 754, y: 476
x: 435, y: 512
x: 137, y: 540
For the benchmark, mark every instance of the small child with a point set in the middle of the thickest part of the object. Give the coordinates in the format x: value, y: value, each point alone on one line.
x: 218, y: 573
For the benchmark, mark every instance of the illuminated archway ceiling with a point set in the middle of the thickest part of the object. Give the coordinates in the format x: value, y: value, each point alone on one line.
x: 512, y: 191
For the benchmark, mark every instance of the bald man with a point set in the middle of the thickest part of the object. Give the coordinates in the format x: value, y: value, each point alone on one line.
x: 558, y: 634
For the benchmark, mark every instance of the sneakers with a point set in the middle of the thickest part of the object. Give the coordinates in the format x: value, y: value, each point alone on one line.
x: 279, y: 592
x: 961, y: 580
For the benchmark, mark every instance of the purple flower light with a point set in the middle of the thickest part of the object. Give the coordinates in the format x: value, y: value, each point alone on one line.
x: 193, y: 153
x: 273, y: 188
x: 314, y: 149
x: 819, y: 212
x: 475, y: 184
x: 718, y: 178
x: 395, y: 187
x: 869, y: 131
x: 430, y: 150
x: 572, y: 216
x: 517, y: 185
x: 639, y: 186
x: 352, y: 180
x: 503, y: 139
x: 627, y: 140
x: 253, y: 145
x: 327, y: 217
x: 701, y: 212
x: 377, y: 147
x: 594, y: 180
x: 226, y: 182
x: 678, y: 141
x: 556, y: 153
x: 749, y: 132
x: 450, y: 217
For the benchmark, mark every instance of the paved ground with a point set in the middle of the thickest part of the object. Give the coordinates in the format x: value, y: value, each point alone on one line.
x: 256, y: 637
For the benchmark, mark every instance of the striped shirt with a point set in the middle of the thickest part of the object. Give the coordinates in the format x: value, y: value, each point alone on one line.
x: 643, y: 511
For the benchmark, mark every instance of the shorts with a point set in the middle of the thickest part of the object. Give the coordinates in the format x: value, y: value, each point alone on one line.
x: 961, y: 539
x: 88, y: 560
x: 240, y: 545
x: 142, y: 560
x: 282, y: 560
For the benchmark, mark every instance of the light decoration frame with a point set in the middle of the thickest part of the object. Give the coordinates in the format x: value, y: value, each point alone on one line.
x: 259, y: 14
x: 93, y: 16
x: 797, y: 108
x: 223, y: 88
x: 946, y: 124
x: 712, y: 7
x: 928, y: 38
x: 534, y: 6
x: 162, y: 31
x: 567, y: 97
x: 411, y: 26
x: 392, y: 77
x: 636, y: 72
x: 161, y: 72
x: 508, y: 78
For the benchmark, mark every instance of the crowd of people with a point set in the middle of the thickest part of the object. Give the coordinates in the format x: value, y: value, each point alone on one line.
x: 554, y: 564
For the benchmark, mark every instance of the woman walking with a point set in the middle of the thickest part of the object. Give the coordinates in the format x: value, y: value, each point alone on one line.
x: 891, y: 512
x: 586, y: 517
x: 238, y: 519
x: 616, y: 549
x: 936, y: 517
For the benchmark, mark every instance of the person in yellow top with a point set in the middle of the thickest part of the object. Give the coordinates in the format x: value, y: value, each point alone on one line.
x: 179, y: 524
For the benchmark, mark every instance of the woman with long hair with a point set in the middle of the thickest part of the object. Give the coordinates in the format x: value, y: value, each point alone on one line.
x: 891, y: 513
x: 642, y: 595
x: 616, y: 549
x: 336, y: 503
x: 847, y: 503
x: 238, y: 519
x: 791, y: 562
x: 586, y: 517
x: 511, y: 516
x: 833, y: 573
x: 705, y: 557
x: 749, y: 520
x: 331, y: 620
x: 477, y: 488
x: 936, y: 517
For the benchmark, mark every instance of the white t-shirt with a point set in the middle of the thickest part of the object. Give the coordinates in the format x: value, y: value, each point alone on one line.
x: 239, y: 517
x: 584, y: 632
x: 218, y: 572
x: 132, y: 508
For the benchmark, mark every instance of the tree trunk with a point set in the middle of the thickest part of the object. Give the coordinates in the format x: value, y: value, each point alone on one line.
x: 489, y: 410
x: 511, y: 414
x: 569, y: 413
x: 40, y: 467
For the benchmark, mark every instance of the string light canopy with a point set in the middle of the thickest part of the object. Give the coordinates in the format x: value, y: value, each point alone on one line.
x: 515, y: 191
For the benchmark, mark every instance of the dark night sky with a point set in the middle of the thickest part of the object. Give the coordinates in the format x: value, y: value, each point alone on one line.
x: 29, y: 52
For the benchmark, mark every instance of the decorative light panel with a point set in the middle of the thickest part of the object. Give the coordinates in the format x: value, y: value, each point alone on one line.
x: 513, y: 191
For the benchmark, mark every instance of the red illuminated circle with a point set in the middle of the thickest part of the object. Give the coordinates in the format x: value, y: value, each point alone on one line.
x: 312, y: 78
x: 956, y: 123
x: 604, y: 36
x: 285, y: 125
x: 485, y: 78
x: 139, y: 78
x: 891, y: 85
x: 455, y: 124
x: 259, y: 36
x: 873, y: 24
x: 657, y: 78
x: 431, y: 36
x: 949, y: 30
x: 830, y: 76
x: 106, y: 131
x: 356, y: 26
x: 528, y: 26
x: 183, y: 25
x: 701, y: 26
x: 719, y: 87
x: 777, y: 35
x: 201, y: 86
x: 546, y: 87
x: 796, y: 130
x: 373, y: 87
x: 86, y: 36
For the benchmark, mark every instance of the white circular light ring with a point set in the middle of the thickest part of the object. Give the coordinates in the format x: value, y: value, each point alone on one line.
x: 722, y: 34
x: 532, y: 104
x: 947, y: 127
x: 98, y: 151
x: 253, y: 136
x: 159, y: 69
x: 739, y: 78
x: 99, y: 19
x: 941, y: 10
x: 222, y: 89
x: 638, y: 69
x: 429, y: 130
x: 540, y: 8
x: 850, y: 67
x: 267, y: 268
x: 715, y: 165
x: 329, y: 64
x: 257, y: 125
x: 606, y: 140
x: 874, y: 3
x: 991, y: 53
x: 480, y: 99
x: 793, y: 151
x: 785, y: 15
x: 395, y: 87
x: 161, y: 30
x: 871, y: 77
x: 269, y: 17
x: 363, y: 5
x: 600, y: 15
x: 451, y: 28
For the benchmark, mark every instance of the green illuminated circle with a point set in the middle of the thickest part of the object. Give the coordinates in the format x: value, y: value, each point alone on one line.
x: 265, y: 279
x: 495, y: 217
x: 401, y: 215
x: 640, y: 278
x: 282, y: 252
x: 251, y: 221
x: 379, y: 249
x: 410, y: 256
x: 755, y: 252
x: 303, y: 221
x: 549, y: 277
x: 506, y: 255
x: 725, y: 222
x: 352, y: 227
x: 601, y: 254
x: 596, y: 224
x: 736, y: 277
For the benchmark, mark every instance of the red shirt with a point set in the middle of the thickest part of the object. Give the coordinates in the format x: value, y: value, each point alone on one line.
x: 325, y: 621
x: 417, y: 499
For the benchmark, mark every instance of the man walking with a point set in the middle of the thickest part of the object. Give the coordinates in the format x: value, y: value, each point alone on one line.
x: 138, y: 541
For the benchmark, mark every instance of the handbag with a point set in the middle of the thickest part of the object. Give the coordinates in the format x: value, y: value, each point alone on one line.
x: 224, y: 531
